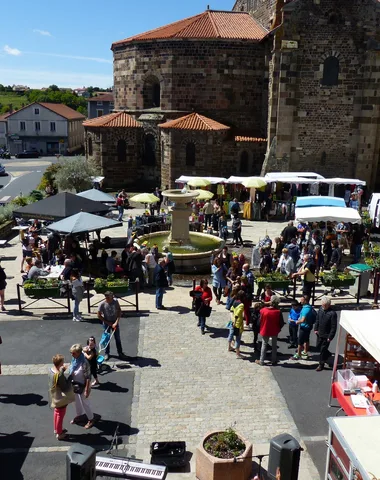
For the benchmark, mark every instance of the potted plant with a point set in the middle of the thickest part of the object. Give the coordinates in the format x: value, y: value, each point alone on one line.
x: 336, y: 279
x: 116, y: 285
x: 276, y: 280
x: 42, y: 288
x: 224, y: 455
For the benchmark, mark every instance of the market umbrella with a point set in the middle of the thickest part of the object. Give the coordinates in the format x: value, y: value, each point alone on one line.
x: 199, y: 182
x: 203, y: 194
x: 60, y: 206
x: 254, y: 182
x: 144, y: 198
x: 83, y: 222
x: 97, y: 196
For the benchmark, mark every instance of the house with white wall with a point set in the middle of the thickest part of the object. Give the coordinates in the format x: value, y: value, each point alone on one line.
x: 49, y: 128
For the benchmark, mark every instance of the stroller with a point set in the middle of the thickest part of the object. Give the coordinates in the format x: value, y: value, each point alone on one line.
x: 103, y: 344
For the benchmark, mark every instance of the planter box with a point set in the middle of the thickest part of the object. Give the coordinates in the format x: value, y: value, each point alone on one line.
x: 212, y: 468
x: 338, y: 283
x: 42, y: 292
x: 121, y: 290
x: 276, y: 285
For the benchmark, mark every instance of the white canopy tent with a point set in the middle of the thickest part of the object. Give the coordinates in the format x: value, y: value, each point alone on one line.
x: 213, y: 180
x: 311, y: 175
x: 342, y: 181
x: 364, y: 326
x: 272, y: 179
x: 325, y: 214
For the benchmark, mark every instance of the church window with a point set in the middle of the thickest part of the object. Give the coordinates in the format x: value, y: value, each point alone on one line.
x: 330, y: 72
x: 323, y: 158
x: 152, y: 92
x: 90, y: 147
x: 334, y: 17
x: 190, y: 154
x: 122, y: 151
x: 244, y: 162
x: 149, y: 150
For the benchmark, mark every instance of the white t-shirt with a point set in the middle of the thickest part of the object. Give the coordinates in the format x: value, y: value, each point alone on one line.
x: 150, y: 261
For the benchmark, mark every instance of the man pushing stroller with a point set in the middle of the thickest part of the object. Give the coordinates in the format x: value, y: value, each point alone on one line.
x: 109, y: 313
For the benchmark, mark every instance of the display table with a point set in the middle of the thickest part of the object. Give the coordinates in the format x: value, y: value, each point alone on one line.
x: 353, y: 448
x: 346, y: 403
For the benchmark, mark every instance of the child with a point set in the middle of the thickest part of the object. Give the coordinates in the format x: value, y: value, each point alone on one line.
x: 91, y: 355
x: 294, y: 315
x: 267, y: 295
x: 255, y: 318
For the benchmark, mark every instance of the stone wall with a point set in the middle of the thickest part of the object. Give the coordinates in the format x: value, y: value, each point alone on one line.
x: 328, y: 129
x: 104, y: 148
x: 261, y: 10
x: 223, y: 79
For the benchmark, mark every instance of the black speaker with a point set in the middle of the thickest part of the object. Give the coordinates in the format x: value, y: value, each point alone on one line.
x: 284, y: 453
x: 80, y: 463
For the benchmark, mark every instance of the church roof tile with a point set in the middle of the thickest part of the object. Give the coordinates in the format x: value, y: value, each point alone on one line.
x: 210, y: 24
x: 194, y: 121
x: 116, y: 120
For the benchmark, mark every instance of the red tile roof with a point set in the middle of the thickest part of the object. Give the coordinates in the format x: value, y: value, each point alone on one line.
x: 59, y: 108
x: 194, y: 121
x: 102, y: 97
x: 210, y: 24
x: 240, y: 138
x: 116, y: 120
x: 63, y: 110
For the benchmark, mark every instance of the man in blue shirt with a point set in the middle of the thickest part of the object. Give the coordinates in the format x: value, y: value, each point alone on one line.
x: 306, y: 322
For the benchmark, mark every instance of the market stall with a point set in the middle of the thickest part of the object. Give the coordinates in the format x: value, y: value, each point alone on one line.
x: 360, y: 359
x: 319, y: 201
x: 327, y: 214
x: 353, y: 449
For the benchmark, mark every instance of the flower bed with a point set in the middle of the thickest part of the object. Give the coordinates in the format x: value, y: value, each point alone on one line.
x: 276, y: 280
x: 115, y: 285
x: 42, y: 288
x: 337, y: 279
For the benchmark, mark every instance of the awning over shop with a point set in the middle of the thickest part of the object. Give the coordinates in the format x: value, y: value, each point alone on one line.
x: 212, y: 180
x: 365, y: 328
x: 295, y: 174
x: 241, y: 180
x: 325, y: 214
x: 343, y: 181
x: 320, y: 201
x: 288, y: 179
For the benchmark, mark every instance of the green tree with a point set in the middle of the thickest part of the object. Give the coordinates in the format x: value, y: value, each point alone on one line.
x: 75, y: 174
x: 54, y: 88
x: 82, y: 110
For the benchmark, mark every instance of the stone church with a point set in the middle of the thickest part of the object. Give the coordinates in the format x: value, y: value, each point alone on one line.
x: 273, y: 85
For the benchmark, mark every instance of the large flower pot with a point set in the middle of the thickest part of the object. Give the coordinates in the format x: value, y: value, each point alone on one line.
x: 120, y: 290
x: 338, y: 283
x: 212, y: 468
x: 275, y: 285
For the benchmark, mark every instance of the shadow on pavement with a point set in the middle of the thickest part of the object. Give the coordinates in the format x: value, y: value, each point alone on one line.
x: 112, y: 387
x: 23, y: 400
x: 180, y: 310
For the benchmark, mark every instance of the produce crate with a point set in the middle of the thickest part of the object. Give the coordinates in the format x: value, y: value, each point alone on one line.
x: 42, y: 292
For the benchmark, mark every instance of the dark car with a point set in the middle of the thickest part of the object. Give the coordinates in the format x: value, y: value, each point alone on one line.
x: 28, y: 154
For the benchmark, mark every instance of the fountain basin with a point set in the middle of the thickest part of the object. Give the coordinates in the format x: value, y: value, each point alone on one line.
x: 193, y: 257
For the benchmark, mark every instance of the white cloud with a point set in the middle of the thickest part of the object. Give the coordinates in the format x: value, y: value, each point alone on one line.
x: 12, y: 51
x: 72, y: 57
x: 45, y: 33
x: 40, y: 78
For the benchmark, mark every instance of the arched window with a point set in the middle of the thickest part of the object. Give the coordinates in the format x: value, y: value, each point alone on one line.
x: 152, y: 92
x: 89, y: 150
x: 190, y: 154
x: 330, y: 72
x: 149, y: 150
x: 122, y: 151
x: 244, y: 162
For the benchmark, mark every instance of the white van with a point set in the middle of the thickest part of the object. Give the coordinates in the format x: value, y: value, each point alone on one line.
x: 374, y: 209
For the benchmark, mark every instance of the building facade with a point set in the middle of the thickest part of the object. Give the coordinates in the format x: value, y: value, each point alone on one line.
x: 49, y: 128
x: 102, y: 104
x: 295, y: 78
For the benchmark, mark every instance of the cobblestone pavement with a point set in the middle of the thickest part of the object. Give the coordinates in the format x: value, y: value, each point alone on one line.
x: 200, y: 386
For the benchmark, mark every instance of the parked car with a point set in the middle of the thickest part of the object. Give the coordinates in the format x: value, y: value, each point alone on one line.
x: 28, y: 154
x: 3, y: 173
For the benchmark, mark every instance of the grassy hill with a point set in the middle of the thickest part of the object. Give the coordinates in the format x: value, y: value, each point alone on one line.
x: 13, y: 98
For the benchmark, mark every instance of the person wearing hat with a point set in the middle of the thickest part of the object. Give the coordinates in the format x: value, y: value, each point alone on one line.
x: 109, y: 313
x: 285, y: 266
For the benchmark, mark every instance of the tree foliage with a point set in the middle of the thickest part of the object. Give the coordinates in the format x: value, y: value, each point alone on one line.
x: 75, y: 174
x: 53, y: 95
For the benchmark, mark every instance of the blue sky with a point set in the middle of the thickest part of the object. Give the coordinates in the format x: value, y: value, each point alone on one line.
x: 68, y: 43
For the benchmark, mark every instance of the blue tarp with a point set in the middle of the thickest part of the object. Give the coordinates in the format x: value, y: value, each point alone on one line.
x: 319, y: 201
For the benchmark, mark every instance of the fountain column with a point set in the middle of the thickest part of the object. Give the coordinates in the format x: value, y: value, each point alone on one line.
x: 181, y: 212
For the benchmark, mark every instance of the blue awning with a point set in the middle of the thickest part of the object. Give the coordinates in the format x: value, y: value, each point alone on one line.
x: 319, y: 201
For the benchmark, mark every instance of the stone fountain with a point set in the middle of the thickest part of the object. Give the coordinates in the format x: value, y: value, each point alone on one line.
x: 192, y: 251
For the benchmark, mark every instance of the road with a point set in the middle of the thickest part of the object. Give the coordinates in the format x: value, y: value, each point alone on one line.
x: 24, y: 175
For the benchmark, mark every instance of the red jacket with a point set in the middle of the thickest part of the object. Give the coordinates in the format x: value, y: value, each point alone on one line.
x: 206, y: 295
x: 270, y: 322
